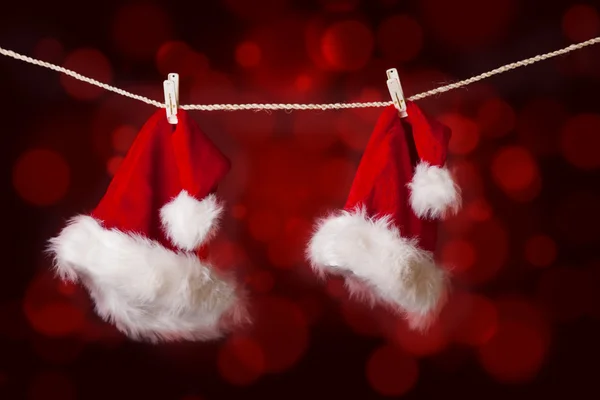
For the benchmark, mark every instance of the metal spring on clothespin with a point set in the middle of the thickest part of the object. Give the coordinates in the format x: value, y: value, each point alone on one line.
x: 171, y: 88
x: 395, y: 88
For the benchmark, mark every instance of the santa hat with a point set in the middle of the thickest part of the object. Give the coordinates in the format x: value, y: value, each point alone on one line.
x: 136, y: 253
x: 383, y: 241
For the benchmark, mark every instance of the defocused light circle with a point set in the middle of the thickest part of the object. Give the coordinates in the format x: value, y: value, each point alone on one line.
x: 90, y: 63
x: 347, y: 45
x: 241, y: 360
x: 581, y: 22
x: 514, y: 168
x: 465, y: 133
x: 248, y: 54
x: 458, y: 254
x: 41, y: 177
x: 123, y: 137
x: 515, y: 353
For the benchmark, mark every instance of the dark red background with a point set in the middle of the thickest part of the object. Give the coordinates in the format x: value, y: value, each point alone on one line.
x: 523, y: 320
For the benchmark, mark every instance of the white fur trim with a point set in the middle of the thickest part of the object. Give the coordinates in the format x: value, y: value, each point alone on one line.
x: 148, y: 291
x: 380, y: 265
x: 433, y: 192
x: 188, y: 222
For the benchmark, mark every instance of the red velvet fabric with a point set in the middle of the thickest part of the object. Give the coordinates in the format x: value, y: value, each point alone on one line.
x: 387, y: 166
x: 163, y: 160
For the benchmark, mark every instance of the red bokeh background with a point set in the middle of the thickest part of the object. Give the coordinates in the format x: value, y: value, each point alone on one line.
x: 523, y: 318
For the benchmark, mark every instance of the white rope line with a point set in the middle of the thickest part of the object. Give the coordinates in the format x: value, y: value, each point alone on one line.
x: 332, y: 106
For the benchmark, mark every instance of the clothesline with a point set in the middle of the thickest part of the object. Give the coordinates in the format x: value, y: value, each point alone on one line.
x: 331, y: 106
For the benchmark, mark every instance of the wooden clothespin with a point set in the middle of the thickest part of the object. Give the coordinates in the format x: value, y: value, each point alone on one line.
x: 395, y: 88
x: 171, y: 88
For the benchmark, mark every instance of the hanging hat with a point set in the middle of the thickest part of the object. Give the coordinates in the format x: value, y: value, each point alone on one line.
x: 136, y: 253
x: 384, y: 238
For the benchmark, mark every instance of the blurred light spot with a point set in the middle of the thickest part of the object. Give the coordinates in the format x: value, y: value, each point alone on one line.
x: 67, y: 288
x: 395, y: 27
x: 465, y: 133
x: 264, y: 225
x: 49, y: 50
x: 577, y: 217
x: 41, y: 177
x: 539, y: 124
x: 564, y: 293
x: 513, y: 168
x: 540, y: 250
x: 360, y: 317
x: 490, y: 241
x: 281, y: 330
x: 241, y: 360
x: 340, y: 6
x: 261, y: 281
x: 496, y: 118
x: 247, y: 54
x: 514, y: 354
x: 347, y: 45
x: 391, y: 372
x: 580, y: 141
x: 56, y: 318
x: 113, y: 164
x: 480, y: 321
x: 139, y: 29
x: 421, y: 344
x: 468, y: 24
x: 256, y: 9
x: 479, y: 210
x: 303, y: 83
x: 52, y: 385
x: 458, y: 254
x: 239, y: 211
x: 91, y: 63
x: 123, y: 137
x: 581, y: 22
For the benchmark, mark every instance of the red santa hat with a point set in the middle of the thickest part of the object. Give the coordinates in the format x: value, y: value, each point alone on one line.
x: 383, y: 241
x: 136, y: 252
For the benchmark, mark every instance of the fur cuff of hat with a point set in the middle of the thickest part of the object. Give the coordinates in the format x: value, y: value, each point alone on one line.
x: 381, y: 266
x: 148, y: 291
